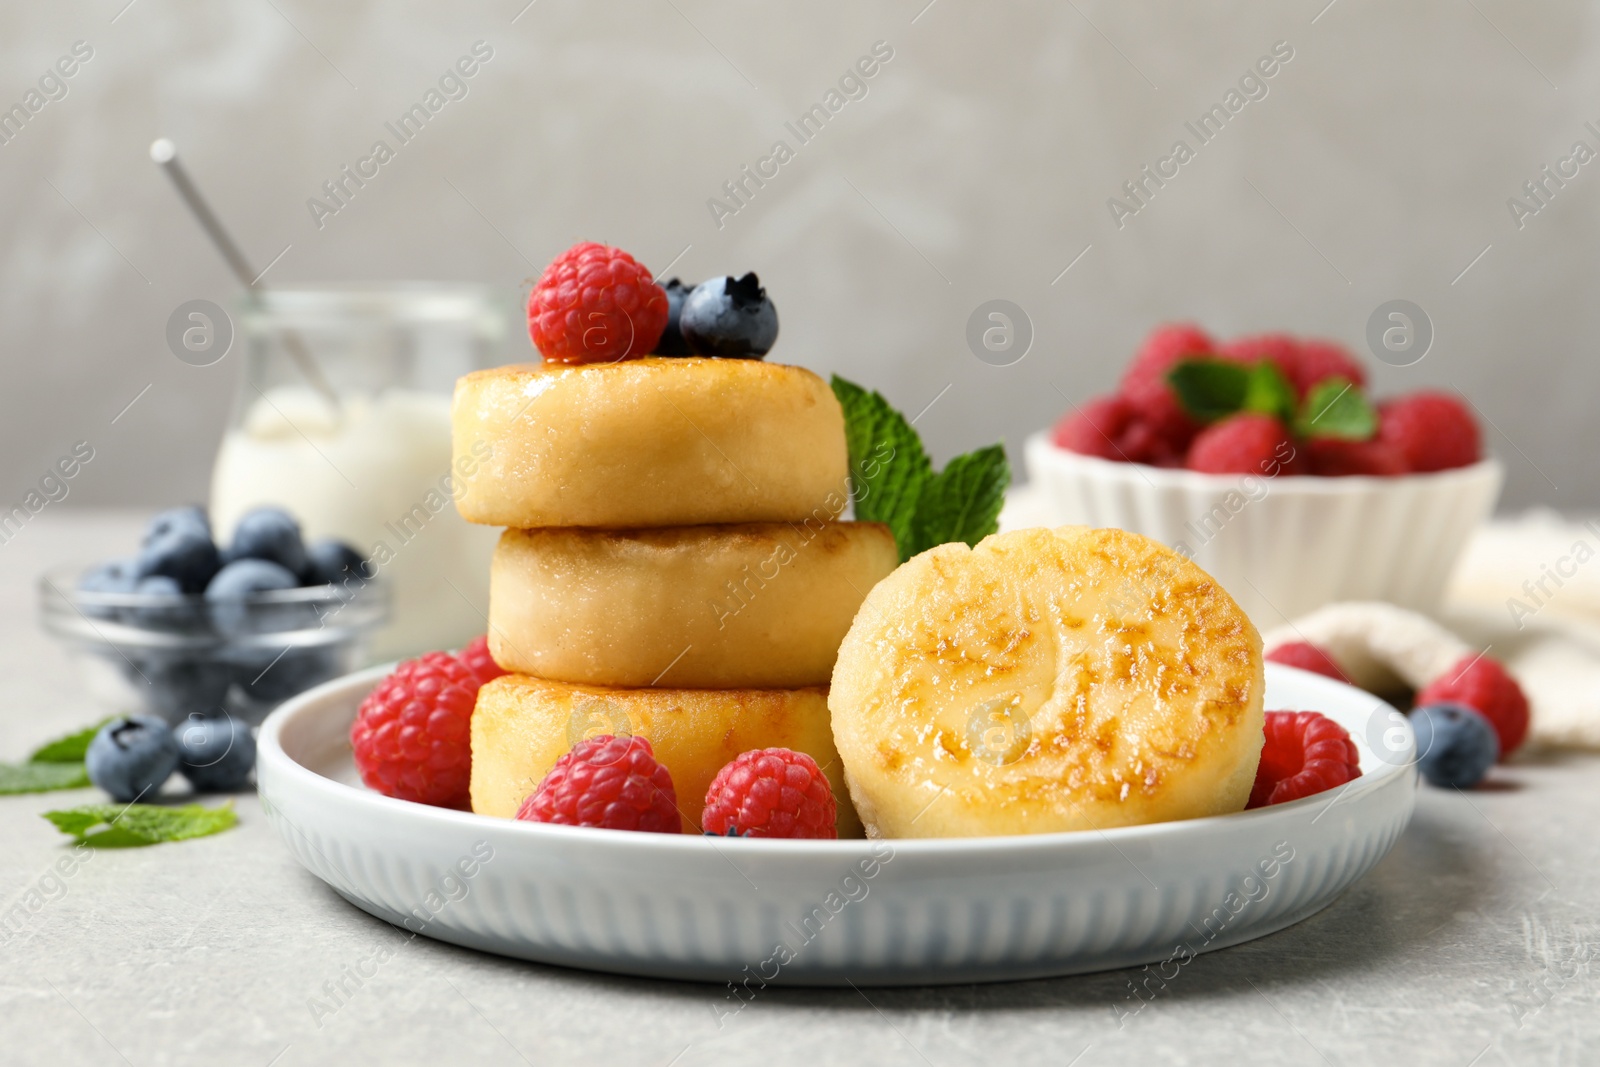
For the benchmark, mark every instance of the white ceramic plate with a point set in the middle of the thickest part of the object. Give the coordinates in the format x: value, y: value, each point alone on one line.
x: 831, y: 912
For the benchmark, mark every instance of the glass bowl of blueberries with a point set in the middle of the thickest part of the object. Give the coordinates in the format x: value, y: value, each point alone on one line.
x: 189, y: 627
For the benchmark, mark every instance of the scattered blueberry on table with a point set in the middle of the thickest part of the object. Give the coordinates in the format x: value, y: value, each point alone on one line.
x: 1456, y: 745
x: 131, y: 757
x: 216, y: 753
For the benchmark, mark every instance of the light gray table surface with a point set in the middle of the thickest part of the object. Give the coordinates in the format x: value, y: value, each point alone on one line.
x: 1472, y: 942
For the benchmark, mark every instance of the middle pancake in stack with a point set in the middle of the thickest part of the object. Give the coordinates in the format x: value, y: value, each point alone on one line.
x: 673, y: 569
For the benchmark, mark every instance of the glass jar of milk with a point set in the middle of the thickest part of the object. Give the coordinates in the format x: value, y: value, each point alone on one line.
x: 357, y: 445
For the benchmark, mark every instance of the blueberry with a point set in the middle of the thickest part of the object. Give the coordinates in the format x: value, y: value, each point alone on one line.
x: 269, y: 534
x: 672, y: 342
x: 114, y: 576
x: 268, y: 677
x: 182, y: 552
x: 333, y: 562
x: 189, y: 518
x: 241, y: 579
x: 131, y: 757
x: 1456, y: 746
x: 216, y: 753
x: 729, y: 317
x: 175, y: 684
x: 171, y: 610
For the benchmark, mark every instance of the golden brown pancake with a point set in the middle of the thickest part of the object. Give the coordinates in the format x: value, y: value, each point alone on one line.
x: 1068, y: 679
x: 717, y: 607
x: 522, y: 725
x: 648, y: 442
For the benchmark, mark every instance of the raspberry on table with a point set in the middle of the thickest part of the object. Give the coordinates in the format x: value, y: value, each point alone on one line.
x: 412, y: 735
x: 1307, y: 657
x: 1433, y: 431
x: 1246, y: 443
x: 1145, y: 386
x: 596, y: 304
x: 478, y: 660
x: 1305, y: 752
x: 771, y: 792
x: 611, y: 782
x: 1109, y: 428
x: 1334, y: 457
x: 1483, y: 685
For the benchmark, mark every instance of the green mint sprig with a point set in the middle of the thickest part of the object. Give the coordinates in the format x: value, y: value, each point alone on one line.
x: 1336, y: 407
x: 69, y: 749
x: 54, y: 765
x: 893, y: 482
x: 135, y: 825
x: 1213, y: 389
x: 18, y: 778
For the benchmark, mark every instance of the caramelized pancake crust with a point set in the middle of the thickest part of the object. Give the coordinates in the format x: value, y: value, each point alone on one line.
x: 1047, y: 680
x: 648, y: 442
x: 522, y: 725
x: 760, y: 605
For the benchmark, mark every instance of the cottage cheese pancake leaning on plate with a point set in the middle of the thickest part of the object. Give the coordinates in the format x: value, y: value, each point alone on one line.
x: 1047, y: 680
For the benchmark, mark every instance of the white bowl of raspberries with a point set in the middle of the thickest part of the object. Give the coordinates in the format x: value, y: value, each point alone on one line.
x: 1262, y: 459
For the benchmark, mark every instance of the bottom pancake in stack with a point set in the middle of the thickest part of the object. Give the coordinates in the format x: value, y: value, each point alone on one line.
x: 522, y: 725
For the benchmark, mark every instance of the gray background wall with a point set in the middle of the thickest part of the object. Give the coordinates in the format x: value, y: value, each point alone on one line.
x: 979, y: 166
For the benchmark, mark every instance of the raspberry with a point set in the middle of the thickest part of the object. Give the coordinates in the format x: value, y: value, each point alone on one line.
x: 1145, y: 385
x: 1433, y: 431
x: 1278, y: 348
x: 1108, y: 427
x: 1246, y: 443
x: 411, y: 735
x: 596, y: 304
x: 1305, y: 753
x: 1307, y: 657
x: 771, y: 792
x: 1333, y: 457
x: 611, y: 782
x: 1483, y: 685
x: 478, y: 660
x: 1321, y: 360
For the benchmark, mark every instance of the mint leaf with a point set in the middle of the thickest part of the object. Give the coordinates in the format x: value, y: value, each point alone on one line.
x: 1336, y: 407
x: 1210, y: 389
x: 962, y: 502
x: 41, y: 777
x: 140, y: 824
x: 69, y: 749
x: 1268, y: 392
x: 887, y: 463
x: 892, y: 481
